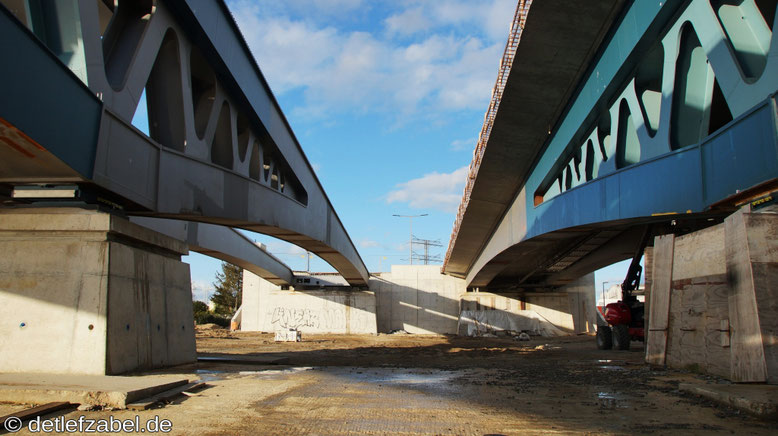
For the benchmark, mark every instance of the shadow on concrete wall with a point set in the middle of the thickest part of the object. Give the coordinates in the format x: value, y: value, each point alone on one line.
x: 403, y: 306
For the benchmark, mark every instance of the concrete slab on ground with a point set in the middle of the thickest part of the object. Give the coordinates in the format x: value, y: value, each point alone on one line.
x: 107, y: 391
x: 756, y: 399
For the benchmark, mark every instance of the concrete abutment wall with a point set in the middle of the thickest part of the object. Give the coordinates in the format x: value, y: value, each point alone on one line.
x: 86, y: 292
x: 417, y: 299
x: 266, y: 307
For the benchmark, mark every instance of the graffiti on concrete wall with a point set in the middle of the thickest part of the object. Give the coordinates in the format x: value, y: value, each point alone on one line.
x: 294, y: 318
x: 343, y: 318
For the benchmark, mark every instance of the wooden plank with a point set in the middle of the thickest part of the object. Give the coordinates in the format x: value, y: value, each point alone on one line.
x: 692, y: 349
x: 648, y: 255
x: 41, y: 410
x: 762, y: 236
x: 717, y: 333
x: 165, y: 396
x: 699, y: 254
x: 673, y: 345
x: 746, y: 351
x: 691, y: 305
x: 661, y: 282
x: 717, y: 360
x: 717, y: 297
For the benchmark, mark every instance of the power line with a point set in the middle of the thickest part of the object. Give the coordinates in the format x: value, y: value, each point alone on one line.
x: 410, y: 241
x: 427, y: 243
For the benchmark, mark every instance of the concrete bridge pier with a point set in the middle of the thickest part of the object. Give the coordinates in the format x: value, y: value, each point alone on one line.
x: 88, y: 292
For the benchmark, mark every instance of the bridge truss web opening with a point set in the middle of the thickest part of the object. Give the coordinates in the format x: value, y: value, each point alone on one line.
x: 748, y: 25
x: 203, y: 90
x: 236, y: 142
x: 164, y: 96
x: 648, y: 86
x: 221, y: 148
x: 697, y: 104
x: 58, y: 26
x: 122, y: 37
x: 140, y: 120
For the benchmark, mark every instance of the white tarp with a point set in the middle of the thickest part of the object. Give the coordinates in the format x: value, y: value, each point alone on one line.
x: 479, y: 322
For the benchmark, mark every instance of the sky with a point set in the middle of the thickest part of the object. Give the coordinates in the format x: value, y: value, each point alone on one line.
x: 386, y: 98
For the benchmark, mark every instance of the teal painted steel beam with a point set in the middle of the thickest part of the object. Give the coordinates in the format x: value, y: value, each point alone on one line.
x: 671, y: 89
x: 688, y: 179
x: 632, y: 36
x: 44, y: 99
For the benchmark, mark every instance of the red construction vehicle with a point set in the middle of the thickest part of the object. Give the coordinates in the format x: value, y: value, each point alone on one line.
x: 623, y: 321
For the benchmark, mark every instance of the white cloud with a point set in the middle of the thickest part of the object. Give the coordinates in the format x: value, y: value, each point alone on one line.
x: 202, y: 291
x: 341, y: 70
x: 279, y: 247
x: 432, y: 191
x: 464, y: 144
x: 408, y: 22
x: 368, y: 243
x: 491, y: 18
x: 328, y: 7
x: 400, y: 247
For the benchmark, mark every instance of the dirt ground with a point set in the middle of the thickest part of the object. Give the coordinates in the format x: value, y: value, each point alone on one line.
x: 411, y: 384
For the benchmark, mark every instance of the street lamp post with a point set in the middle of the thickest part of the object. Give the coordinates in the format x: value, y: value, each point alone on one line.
x: 410, y: 239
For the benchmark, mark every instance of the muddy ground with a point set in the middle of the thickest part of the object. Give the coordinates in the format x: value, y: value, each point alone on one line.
x: 409, y: 384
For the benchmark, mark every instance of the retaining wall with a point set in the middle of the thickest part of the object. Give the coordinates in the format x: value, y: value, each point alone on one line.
x: 417, y: 299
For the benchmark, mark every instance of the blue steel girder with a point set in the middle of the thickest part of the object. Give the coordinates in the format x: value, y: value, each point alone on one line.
x: 220, y: 150
x: 676, y: 114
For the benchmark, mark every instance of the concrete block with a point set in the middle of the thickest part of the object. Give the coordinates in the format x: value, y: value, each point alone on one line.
x: 89, y: 294
x: 107, y: 391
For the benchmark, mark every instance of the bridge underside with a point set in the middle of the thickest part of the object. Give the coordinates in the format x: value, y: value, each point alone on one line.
x: 561, y: 257
x: 663, y: 116
x: 559, y: 40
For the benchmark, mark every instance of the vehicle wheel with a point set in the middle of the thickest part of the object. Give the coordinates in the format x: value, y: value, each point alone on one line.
x: 621, y: 337
x: 604, y: 337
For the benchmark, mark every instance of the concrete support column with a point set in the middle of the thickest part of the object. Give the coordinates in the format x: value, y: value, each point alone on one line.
x: 583, y: 305
x: 752, y: 271
x: 87, y: 292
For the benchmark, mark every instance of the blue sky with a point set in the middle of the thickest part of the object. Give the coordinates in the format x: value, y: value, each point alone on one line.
x: 386, y: 99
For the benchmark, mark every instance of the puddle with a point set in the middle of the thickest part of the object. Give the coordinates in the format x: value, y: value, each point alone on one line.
x: 414, y: 379
x: 611, y: 368
x: 432, y: 381
x: 606, y: 364
x: 610, y: 400
x: 276, y: 372
x: 207, y: 375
